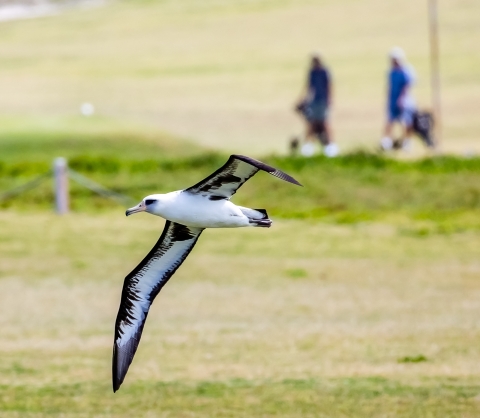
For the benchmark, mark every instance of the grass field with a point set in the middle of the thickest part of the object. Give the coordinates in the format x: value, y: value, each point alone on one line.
x: 365, y: 305
x: 360, y: 301
x: 305, y: 319
x: 226, y: 74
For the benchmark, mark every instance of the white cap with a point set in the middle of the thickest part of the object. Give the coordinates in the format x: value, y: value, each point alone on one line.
x: 316, y: 54
x: 398, y: 54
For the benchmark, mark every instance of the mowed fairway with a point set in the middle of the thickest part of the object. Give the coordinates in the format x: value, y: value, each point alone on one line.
x: 304, y: 319
x: 227, y: 74
x: 362, y: 300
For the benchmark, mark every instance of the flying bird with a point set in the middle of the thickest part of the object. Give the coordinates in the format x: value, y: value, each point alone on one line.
x: 187, y: 212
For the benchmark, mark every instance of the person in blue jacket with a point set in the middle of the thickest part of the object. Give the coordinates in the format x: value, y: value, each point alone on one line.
x: 400, y: 102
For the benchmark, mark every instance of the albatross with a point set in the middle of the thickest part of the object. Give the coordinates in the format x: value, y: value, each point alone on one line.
x: 187, y: 213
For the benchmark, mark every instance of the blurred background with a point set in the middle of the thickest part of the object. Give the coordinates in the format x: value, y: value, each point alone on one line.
x: 361, y: 301
x: 202, y: 70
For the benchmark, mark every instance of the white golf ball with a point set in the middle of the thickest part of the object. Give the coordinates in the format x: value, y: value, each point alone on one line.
x: 87, y: 109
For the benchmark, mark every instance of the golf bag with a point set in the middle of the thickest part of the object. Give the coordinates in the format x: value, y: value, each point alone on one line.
x: 423, y: 126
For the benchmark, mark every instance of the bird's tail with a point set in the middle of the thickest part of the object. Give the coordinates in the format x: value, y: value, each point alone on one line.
x: 257, y: 217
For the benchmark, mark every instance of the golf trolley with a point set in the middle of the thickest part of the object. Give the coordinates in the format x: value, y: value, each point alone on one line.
x: 317, y: 127
x: 422, y: 126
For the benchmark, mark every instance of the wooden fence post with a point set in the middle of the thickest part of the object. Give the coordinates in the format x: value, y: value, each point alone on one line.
x: 60, y: 172
x: 435, y: 70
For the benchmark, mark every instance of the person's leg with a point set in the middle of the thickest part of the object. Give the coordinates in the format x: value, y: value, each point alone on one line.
x: 387, y: 142
x: 331, y: 148
x: 388, y: 128
x: 308, y: 148
x: 393, y: 114
x: 308, y: 132
x: 328, y: 132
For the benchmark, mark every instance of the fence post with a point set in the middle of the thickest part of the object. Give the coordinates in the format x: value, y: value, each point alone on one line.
x: 60, y: 172
x: 435, y: 71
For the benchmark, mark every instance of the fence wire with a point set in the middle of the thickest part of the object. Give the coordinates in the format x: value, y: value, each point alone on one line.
x: 25, y: 187
x: 74, y: 175
x: 99, y: 189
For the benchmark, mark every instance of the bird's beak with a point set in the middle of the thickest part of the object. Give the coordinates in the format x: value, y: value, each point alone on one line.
x: 139, y: 208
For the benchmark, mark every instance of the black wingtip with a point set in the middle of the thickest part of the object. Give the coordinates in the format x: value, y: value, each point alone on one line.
x: 284, y: 176
x: 122, y: 358
x: 265, y: 167
x: 292, y: 180
x: 119, y: 367
x: 116, y: 386
x: 296, y: 182
x: 116, y: 383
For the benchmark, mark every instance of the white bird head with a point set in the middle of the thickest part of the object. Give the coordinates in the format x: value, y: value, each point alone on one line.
x: 150, y: 204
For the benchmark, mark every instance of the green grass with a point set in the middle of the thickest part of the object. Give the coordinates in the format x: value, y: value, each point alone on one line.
x: 306, y: 318
x: 34, y: 140
x: 441, y: 194
x: 372, y: 397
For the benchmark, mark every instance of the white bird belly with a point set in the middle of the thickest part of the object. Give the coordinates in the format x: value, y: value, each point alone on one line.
x: 198, y: 211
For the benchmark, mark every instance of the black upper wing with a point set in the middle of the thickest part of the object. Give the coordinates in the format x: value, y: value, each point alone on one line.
x: 140, y: 288
x: 224, y: 182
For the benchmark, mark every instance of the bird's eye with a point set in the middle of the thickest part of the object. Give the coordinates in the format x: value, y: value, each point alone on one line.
x: 149, y: 201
